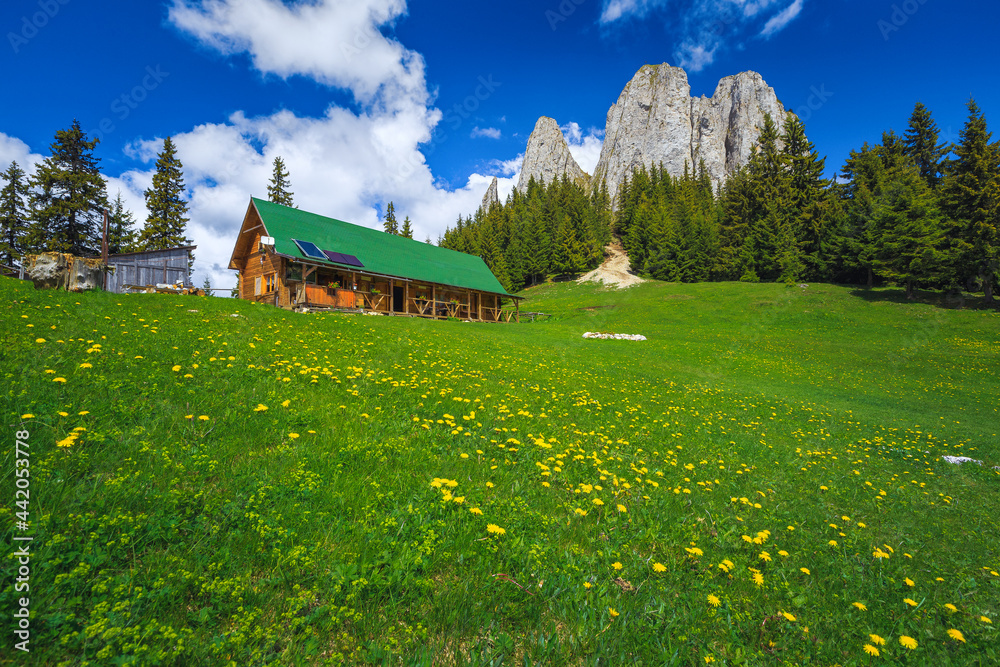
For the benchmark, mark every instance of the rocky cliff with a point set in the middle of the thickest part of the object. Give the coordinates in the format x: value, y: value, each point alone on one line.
x: 491, y: 198
x: 547, y: 156
x: 655, y: 120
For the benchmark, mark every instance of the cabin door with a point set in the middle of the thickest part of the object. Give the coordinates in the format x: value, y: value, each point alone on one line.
x: 398, y: 298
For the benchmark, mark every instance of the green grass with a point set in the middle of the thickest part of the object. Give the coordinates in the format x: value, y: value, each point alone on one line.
x: 255, y: 486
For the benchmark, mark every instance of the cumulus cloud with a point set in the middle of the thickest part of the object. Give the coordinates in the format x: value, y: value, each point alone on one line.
x: 13, y: 149
x: 585, y: 149
x: 704, y: 27
x: 488, y: 132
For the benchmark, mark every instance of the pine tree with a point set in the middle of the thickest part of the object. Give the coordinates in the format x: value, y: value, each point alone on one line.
x: 166, y: 223
x: 207, y: 286
x: 970, y: 196
x: 70, y: 197
x: 921, y: 145
x: 407, y: 230
x: 278, y: 187
x: 14, y: 214
x: 807, y: 193
x: 121, y: 232
x: 389, y: 223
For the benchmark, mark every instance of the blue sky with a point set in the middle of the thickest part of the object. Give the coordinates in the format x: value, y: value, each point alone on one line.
x: 423, y: 102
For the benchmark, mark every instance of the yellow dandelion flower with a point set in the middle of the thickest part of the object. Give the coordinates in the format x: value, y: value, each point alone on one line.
x: 910, y: 601
x: 782, y: 552
x: 788, y: 616
x: 27, y: 416
x: 832, y: 543
x: 495, y: 529
x: 476, y: 511
x: 176, y: 368
x: 612, y: 613
x: 203, y: 418
x: 950, y: 607
x: 86, y: 365
x: 758, y: 579
x: 909, y: 582
x: 908, y: 642
x: 877, y: 640
x: 580, y: 511
x: 804, y: 570
x: 871, y: 650
x: 458, y: 499
x: 659, y: 567
x: 985, y: 620
x: 285, y: 403
x: 956, y: 635
x: 260, y: 408
x: 619, y: 566
x: 764, y: 556
x: 63, y: 414
x: 860, y: 606
x: 694, y: 551
x: 621, y: 508
x: 587, y: 584
x: 83, y: 412
x: 714, y: 600
x: 62, y: 380
x: 293, y: 436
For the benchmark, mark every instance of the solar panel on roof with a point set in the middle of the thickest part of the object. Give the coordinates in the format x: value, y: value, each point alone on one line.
x: 341, y: 258
x: 309, y: 249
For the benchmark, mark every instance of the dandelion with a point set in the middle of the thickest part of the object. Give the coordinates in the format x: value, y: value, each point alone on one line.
x: 909, y: 582
x: 621, y: 508
x: 598, y: 502
x: 871, y: 650
x: 62, y: 380
x: 788, y: 616
x: 476, y: 511
x: 758, y: 579
x: 832, y: 543
x: 714, y: 600
x: 285, y: 403
x: 580, y: 511
x: 39, y: 340
x: 27, y: 416
x: 877, y: 640
x: 782, y: 552
x: 619, y: 566
x: 203, y: 418
x: 587, y: 585
x: 63, y: 414
x: 612, y: 613
x: 985, y: 620
x: 694, y: 551
x: 908, y: 642
x: 804, y: 570
x: 860, y: 606
x: 659, y: 567
x: 950, y: 607
x: 495, y: 529
x: 956, y: 635
x: 86, y: 365
x: 764, y: 556
x: 176, y: 368
x: 910, y: 601
x: 293, y: 436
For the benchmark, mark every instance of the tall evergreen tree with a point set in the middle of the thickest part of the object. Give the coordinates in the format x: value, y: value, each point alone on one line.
x: 166, y: 223
x: 122, y: 235
x: 921, y: 145
x: 389, y: 224
x: 807, y: 193
x: 407, y: 230
x: 14, y: 214
x: 70, y: 196
x: 970, y: 195
x: 278, y: 187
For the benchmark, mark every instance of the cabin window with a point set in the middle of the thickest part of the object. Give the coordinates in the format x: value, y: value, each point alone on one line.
x: 269, y: 283
x: 293, y: 272
x: 257, y: 286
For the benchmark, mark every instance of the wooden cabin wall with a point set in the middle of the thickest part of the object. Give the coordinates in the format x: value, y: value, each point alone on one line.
x: 252, y: 268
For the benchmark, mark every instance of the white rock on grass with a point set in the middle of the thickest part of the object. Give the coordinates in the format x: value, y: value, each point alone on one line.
x: 612, y: 336
x: 959, y: 460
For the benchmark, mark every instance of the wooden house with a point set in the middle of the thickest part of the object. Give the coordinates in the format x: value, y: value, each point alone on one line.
x: 149, y: 267
x: 291, y: 258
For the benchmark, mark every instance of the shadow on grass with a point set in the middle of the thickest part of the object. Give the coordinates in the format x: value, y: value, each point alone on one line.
x: 946, y: 300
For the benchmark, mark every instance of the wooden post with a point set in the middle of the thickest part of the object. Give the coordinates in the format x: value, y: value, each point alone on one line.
x: 434, y: 301
x: 406, y: 299
x: 479, y: 306
x: 517, y: 311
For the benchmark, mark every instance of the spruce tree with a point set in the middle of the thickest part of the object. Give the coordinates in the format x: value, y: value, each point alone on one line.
x: 970, y: 196
x: 121, y: 232
x: 278, y: 187
x: 389, y: 224
x: 70, y: 197
x: 921, y: 145
x: 167, y: 221
x: 407, y: 230
x: 807, y: 195
x: 14, y: 214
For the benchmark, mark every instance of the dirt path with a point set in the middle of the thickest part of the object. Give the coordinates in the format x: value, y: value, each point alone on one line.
x: 614, y: 272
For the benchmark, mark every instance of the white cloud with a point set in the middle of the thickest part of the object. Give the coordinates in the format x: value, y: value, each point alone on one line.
x: 585, y: 149
x: 13, y: 149
x: 777, y: 22
x: 336, y: 42
x: 488, y: 132
x: 704, y: 27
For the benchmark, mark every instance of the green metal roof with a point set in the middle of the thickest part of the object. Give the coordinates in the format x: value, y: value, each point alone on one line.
x: 381, y: 253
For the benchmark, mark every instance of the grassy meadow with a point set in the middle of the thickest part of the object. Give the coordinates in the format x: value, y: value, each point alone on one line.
x: 759, y: 483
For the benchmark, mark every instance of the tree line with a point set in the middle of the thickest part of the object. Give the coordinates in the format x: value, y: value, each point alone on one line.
x: 61, y: 207
x: 911, y: 210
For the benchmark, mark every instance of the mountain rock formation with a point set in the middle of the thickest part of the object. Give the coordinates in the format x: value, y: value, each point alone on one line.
x: 547, y: 157
x: 491, y: 198
x: 655, y: 120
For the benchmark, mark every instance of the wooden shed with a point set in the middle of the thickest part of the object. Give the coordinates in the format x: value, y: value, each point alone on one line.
x: 149, y: 268
x: 292, y: 258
